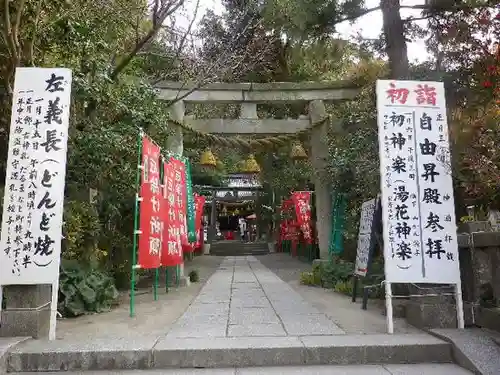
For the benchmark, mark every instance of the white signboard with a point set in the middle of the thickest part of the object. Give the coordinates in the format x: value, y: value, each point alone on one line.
x: 365, y: 236
x: 30, y: 244
x: 420, y: 233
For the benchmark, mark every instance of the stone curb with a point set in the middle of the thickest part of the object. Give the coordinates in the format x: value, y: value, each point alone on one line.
x: 6, y: 343
x: 220, y: 352
x: 472, y: 349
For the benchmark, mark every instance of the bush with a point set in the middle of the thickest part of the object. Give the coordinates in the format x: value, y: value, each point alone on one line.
x: 344, y: 287
x: 337, y: 275
x: 83, y: 290
x: 82, y: 229
x: 194, y: 276
x: 337, y: 270
x: 307, y: 278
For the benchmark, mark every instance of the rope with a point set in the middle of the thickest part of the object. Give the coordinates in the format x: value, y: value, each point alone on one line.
x: 260, y: 143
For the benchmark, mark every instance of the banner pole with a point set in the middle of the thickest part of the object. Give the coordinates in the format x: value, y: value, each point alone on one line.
x: 166, y: 279
x: 177, y: 276
x: 157, y: 269
x: 136, y: 223
x: 155, y: 284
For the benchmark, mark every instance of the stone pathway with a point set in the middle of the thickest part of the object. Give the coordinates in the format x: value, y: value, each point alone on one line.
x: 243, y: 298
x: 423, y: 369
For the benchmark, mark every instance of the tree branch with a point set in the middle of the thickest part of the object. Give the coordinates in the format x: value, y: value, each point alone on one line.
x: 31, y: 42
x: 354, y: 17
x: 11, y: 44
x: 159, y: 16
x: 427, y: 7
x: 11, y: 47
x: 17, y: 24
x: 183, y: 39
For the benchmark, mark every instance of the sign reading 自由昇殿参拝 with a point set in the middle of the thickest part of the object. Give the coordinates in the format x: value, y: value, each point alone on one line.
x: 420, y: 233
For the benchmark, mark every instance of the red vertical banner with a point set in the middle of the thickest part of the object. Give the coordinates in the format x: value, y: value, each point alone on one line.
x: 171, y: 254
x: 181, y: 201
x: 301, y: 200
x: 151, y: 220
x: 199, y: 202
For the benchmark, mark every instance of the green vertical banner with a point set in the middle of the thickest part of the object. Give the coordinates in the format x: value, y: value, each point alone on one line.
x: 338, y: 221
x: 191, y: 211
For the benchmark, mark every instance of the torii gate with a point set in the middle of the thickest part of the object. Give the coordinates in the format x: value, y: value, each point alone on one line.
x: 249, y: 95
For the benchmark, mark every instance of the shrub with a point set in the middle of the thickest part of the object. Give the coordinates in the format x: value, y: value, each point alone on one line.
x: 307, y: 278
x: 194, y: 276
x: 83, y: 290
x: 344, y: 287
x: 81, y: 230
x: 337, y: 270
x: 337, y: 275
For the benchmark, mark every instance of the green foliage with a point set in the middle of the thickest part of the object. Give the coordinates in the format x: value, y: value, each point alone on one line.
x: 194, y: 276
x: 308, y: 18
x: 337, y: 270
x: 83, y: 290
x: 343, y: 287
x: 337, y: 274
x: 81, y: 230
x: 312, y: 278
x: 307, y: 278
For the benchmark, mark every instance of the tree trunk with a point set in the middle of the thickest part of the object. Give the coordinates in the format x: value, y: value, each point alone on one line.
x: 395, y: 40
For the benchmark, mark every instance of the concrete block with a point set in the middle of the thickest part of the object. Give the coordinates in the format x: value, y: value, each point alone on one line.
x: 198, y: 331
x: 375, y: 349
x: 294, y: 309
x: 473, y: 349
x: 184, y: 281
x: 248, y: 294
x: 27, y: 311
x: 32, y: 323
x: 245, y: 330
x: 205, y: 309
x: 6, y: 344
x: 250, y: 302
x: 427, y: 369
x: 315, y: 370
x: 228, y: 352
x: 317, y: 324
x: 211, y: 299
x: 431, y: 315
x: 488, y: 318
x: 253, y: 316
x: 94, y: 354
x: 212, y: 320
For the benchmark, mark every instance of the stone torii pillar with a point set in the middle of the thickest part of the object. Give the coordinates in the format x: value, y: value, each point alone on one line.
x: 319, y: 159
x: 175, y: 144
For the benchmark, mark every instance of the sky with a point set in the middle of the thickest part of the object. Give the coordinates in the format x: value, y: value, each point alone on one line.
x: 369, y: 26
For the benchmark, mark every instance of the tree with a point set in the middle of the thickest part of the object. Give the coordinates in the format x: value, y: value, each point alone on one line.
x: 300, y: 20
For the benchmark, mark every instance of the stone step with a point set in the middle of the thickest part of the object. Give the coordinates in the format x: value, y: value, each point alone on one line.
x: 242, y: 253
x: 239, y: 244
x: 236, y: 248
x: 143, y: 352
x: 415, y: 369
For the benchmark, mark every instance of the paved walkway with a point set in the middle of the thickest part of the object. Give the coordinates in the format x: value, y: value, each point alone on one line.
x: 424, y: 369
x: 243, y: 298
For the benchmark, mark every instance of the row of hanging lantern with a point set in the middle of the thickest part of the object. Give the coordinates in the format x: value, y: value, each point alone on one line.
x: 225, y: 212
x: 250, y: 165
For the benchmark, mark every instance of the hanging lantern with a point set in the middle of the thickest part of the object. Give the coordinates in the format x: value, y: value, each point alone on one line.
x: 298, y: 152
x: 250, y: 165
x: 224, y: 211
x: 207, y: 159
